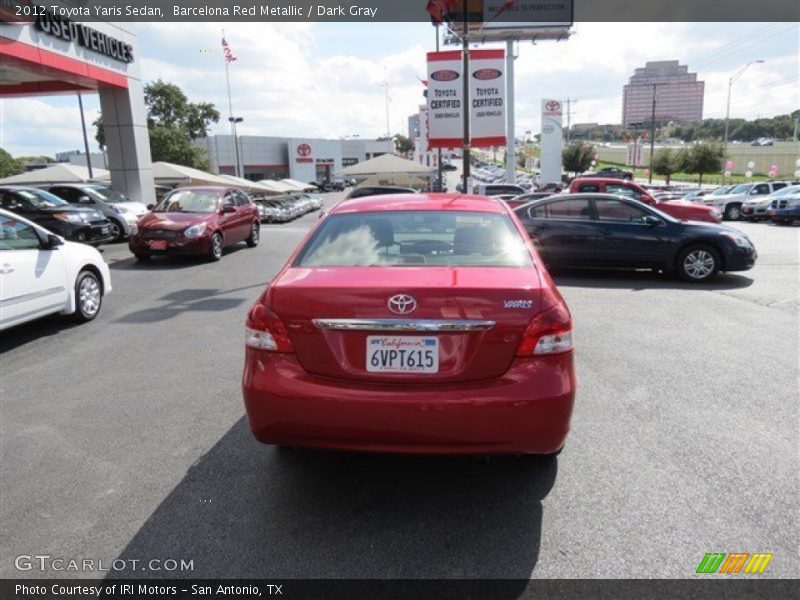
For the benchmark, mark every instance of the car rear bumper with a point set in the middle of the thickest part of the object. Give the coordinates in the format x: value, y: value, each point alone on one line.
x: 754, y: 211
x: 527, y: 410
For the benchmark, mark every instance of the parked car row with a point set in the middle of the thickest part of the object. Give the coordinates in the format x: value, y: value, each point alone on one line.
x: 287, y: 208
x: 50, y: 205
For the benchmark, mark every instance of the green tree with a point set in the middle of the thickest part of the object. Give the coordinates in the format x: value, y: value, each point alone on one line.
x: 666, y: 162
x: 173, y: 123
x: 403, y: 145
x: 701, y: 159
x: 9, y: 165
x: 577, y: 157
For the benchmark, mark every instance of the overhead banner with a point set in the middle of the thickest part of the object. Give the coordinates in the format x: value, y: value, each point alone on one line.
x: 487, y: 99
x: 551, y: 142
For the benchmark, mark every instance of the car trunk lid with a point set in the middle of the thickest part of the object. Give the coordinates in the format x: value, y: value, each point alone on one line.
x: 476, y: 315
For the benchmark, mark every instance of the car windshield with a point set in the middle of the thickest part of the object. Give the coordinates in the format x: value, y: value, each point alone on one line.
x: 721, y: 191
x: 742, y: 188
x: 189, y: 201
x: 416, y: 238
x: 787, y: 191
x: 42, y: 199
x: 107, y: 194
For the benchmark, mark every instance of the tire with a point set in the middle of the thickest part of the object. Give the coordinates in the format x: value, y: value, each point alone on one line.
x: 255, y: 235
x: 88, y: 297
x: 118, y: 230
x: 698, y: 263
x: 733, y: 212
x: 215, y: 248
x: 141, y: 257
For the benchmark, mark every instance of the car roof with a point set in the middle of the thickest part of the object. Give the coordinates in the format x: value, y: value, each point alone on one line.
x: 603, y: 179
x: 444, y: 202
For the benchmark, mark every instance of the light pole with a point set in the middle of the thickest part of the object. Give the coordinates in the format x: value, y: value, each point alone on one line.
x: 731, y: 81
x: 233, y: 121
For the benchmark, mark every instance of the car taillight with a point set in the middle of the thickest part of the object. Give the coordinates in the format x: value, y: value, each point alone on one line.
x: 549, y: 332
x: 265, y: 331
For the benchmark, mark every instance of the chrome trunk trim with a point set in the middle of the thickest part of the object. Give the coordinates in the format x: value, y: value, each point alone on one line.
x: 417, y: 325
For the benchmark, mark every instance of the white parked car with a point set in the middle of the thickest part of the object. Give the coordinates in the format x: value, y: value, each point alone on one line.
x: 730, y: 204
x: 41, y: 274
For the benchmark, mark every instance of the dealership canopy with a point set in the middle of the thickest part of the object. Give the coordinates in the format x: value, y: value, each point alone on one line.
x: 58, y: 173
x: 250, y: 186
x: 171, y: 174
x: 387, y: 164
x: 301, y: 187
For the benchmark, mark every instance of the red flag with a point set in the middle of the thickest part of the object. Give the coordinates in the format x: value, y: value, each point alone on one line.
x: 226, y: 50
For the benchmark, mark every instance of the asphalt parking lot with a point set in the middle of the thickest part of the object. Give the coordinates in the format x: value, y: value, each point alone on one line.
x: 125, y: 438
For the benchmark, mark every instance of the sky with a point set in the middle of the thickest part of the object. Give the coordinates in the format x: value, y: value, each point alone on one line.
x: 327, y: 79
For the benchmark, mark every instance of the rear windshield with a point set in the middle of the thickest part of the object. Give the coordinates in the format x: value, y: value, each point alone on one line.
x: 416, y: 238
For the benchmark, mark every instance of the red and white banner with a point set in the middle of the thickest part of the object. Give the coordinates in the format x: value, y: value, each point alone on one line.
x: 487, y: 99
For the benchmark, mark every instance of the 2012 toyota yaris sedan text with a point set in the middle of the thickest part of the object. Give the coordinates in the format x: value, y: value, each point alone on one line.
x: 412, y: 323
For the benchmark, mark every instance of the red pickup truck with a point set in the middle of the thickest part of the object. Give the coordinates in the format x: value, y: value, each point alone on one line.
x: 680, y: 209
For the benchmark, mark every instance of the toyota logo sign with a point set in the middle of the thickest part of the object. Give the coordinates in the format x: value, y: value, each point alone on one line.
x: 402, y: 304
x: 553, y: 106
x: 304, y: 150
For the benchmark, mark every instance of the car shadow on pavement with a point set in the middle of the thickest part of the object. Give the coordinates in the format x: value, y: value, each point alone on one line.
x: 180, y: 301
x: 642, y: 280
x: 40, y: 328
x: 249, y: 510
x: 168, y: 261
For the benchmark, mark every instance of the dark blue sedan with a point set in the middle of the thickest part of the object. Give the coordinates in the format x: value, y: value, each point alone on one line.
x: 604, y: 230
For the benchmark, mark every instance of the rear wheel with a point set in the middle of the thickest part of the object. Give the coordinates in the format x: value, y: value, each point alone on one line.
x: 255, y: 234
x: 733, y: 212
x: 215, y: 248
x: 698, y: 263
x: 88, y: 297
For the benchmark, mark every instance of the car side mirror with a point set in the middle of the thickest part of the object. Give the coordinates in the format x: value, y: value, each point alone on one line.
x: 151, y: 206
x: 227, y: 209
x: 48, y: 241
x: 84, y: 200
x: 651, y: 221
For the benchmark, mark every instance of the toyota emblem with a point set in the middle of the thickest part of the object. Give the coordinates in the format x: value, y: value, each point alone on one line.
x: 402, y: 304
x: 304, y: 150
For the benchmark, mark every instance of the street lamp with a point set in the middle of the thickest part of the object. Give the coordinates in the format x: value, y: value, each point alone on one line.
x: 731, y: 81
x: 233, y: 121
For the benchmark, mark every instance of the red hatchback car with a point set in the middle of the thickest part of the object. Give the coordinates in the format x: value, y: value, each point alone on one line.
x: 415, y: 324
x: 199, y: 221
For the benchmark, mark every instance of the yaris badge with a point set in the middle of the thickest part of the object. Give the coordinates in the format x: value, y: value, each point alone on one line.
x: 402, y: 304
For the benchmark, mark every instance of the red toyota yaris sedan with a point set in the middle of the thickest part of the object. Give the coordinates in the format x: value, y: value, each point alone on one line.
x: 412, y: 323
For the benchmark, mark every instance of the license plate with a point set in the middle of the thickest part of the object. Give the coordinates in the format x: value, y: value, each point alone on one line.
x: 158, y: 244
x: 402, y: 354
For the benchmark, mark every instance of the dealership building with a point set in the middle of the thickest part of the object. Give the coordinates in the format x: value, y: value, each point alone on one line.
x: 302, y: 159
x: 51, y: 55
